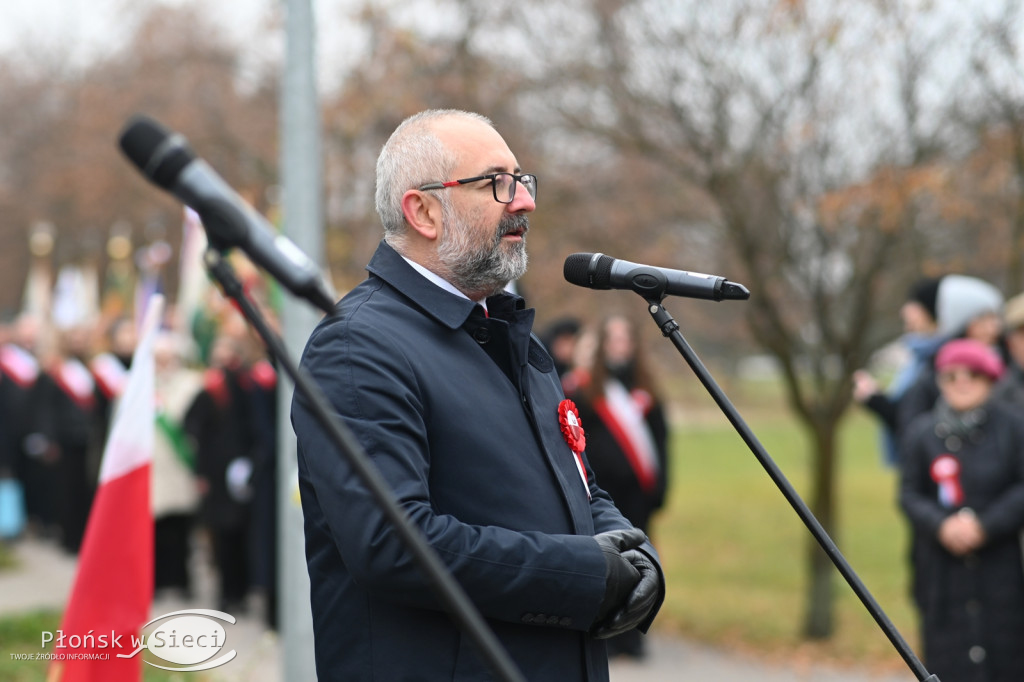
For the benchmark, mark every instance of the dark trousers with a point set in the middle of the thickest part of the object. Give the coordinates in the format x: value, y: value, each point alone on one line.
x: 231, y: 554
x: 171, y: 544
x: 72, y: 494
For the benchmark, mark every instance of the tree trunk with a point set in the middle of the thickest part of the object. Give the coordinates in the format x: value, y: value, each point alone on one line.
x: 819, y: 618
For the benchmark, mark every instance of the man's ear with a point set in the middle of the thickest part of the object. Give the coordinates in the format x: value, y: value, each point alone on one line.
x: 423, y: 213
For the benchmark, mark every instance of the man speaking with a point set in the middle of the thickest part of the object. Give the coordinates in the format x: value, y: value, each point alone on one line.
x: 435, y: 370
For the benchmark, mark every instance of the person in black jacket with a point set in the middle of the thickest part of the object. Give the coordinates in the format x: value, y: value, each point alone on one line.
x: 434, y: 368
x: 624, y: 416
x: 67, y: 424
x: 221, y: 427
x: 962, y: 489
x: 25, y: 452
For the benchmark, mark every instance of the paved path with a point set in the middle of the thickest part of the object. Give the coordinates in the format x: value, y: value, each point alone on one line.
x: 44, y: 576
x: 680, y: 660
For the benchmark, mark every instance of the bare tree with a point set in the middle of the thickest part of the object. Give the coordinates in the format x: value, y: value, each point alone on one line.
x: 990, y: 106
x: 59, y: 160
x: 797, y: 130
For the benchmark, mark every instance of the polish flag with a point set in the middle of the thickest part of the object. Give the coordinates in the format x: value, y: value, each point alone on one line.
x: 113, y: 586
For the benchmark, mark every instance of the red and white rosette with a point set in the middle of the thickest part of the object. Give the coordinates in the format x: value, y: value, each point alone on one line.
x: 572, y: 431
x: 945, y: 472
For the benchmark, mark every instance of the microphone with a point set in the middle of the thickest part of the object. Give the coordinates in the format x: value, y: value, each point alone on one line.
x: 598, y: 271
x: 167, y: 161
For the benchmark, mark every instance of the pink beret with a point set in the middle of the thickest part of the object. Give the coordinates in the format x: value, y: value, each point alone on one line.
x: 973, y: 355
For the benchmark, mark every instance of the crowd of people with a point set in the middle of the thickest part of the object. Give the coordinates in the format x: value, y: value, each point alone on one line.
x: 213, y: 466
x: 953, y: 422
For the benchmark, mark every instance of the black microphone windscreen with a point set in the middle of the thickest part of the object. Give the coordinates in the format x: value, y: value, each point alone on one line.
x: 577, y: 270
x: 158, y: 153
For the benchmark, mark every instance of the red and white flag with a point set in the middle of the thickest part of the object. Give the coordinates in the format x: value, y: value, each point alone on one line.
x: 113, y: 586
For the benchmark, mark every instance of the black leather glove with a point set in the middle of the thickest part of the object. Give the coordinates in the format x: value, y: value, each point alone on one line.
x: 620, y: 574
x: 640, y: 601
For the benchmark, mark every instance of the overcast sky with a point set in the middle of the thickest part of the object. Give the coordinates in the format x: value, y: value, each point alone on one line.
x: 85, y: 29
x: 87, y: 26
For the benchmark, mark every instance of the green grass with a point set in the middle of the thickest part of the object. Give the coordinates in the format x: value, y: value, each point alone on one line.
x: 7, y: 558
x: 736, y: 553
x: 22, y: 634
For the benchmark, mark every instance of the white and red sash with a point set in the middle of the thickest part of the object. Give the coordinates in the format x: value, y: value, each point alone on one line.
x: 18, y: 364
x: 76, y: 381
x: 110, y: 373
x: 624, y: 415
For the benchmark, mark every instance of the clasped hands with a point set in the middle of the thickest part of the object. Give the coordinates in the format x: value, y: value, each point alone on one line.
x: 632, y: 583
x: 961, y: 533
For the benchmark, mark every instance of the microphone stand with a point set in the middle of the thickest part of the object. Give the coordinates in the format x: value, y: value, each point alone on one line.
x: 450, y: 592
x: 670, y: 329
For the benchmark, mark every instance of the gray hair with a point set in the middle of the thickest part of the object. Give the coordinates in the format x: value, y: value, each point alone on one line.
x: 411, y: 157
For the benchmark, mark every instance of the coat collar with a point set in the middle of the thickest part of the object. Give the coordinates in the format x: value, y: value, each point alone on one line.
x: 447, y: 308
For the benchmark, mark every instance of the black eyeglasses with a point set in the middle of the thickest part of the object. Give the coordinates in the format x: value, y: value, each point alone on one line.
x: 502, y: 184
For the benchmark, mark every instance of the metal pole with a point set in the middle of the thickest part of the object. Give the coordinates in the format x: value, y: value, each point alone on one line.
x: 303, y: 223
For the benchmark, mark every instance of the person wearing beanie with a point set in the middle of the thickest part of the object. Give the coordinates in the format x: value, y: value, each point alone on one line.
x: 921, y: 340
x: 962, y: 490
x: 965, y: 307
x: 969, y: 307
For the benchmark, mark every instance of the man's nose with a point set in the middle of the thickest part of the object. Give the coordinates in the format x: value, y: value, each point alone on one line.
x: 522, y: 202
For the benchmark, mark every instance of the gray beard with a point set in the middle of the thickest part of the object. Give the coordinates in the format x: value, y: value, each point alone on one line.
x: 489, y: 267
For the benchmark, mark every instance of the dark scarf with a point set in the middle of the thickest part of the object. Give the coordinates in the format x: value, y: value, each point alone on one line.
x: 955, y: 427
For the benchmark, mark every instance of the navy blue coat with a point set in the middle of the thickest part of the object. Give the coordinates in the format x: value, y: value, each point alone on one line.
x: 460, y: 415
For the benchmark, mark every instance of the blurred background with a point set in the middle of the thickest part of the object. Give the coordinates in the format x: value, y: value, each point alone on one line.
x: 825, y: 154
x: 821, y: 153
